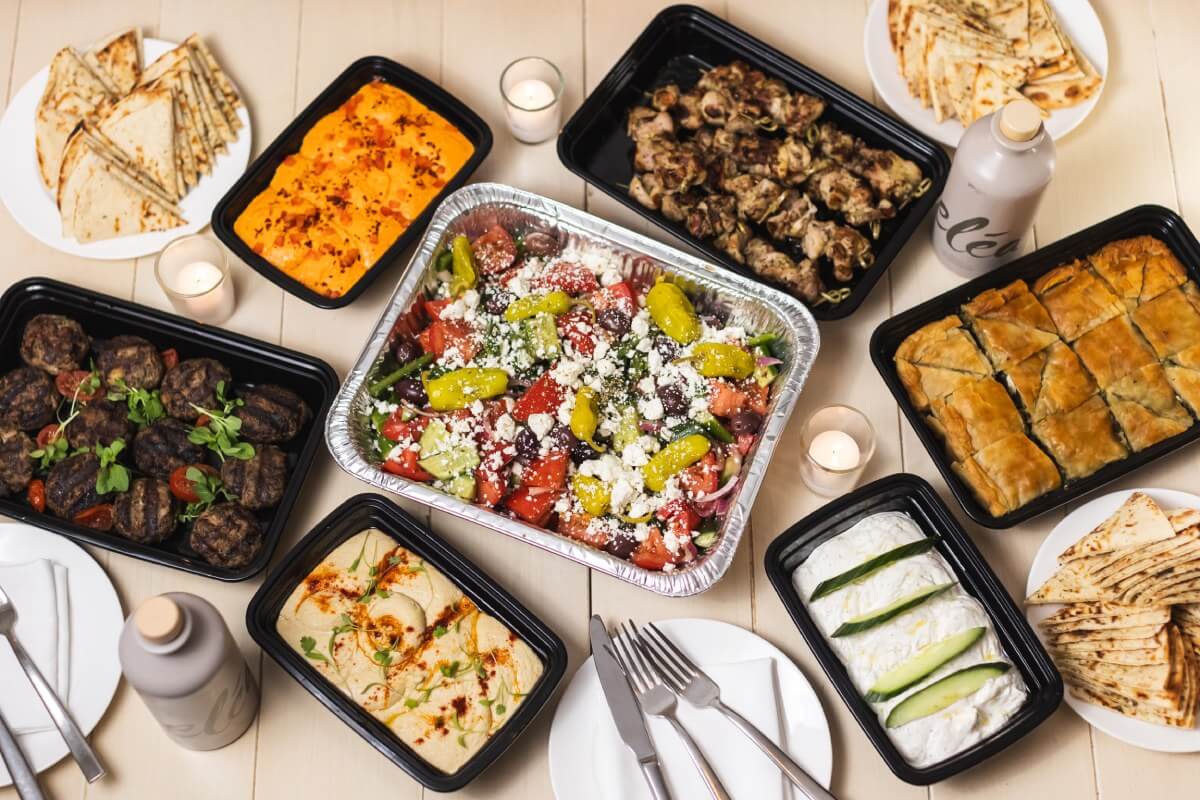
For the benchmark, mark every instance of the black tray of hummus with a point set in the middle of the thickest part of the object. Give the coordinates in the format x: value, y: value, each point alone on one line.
x: 913, y: 628
x: 94, y: 386
x: 408, y: 642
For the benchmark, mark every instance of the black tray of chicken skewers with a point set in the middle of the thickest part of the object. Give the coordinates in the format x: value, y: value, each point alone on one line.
x: 762, y: 164
x: 150, y: 435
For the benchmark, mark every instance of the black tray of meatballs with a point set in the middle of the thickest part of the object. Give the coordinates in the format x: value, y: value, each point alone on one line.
x: 763, y: 164
x: 150, y: 435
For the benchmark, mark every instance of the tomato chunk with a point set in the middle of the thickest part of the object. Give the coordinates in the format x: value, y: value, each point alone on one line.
x: 548, y: 472
x: 578, y: 328
x: 543, y: 397
x: 724, y: 399
x: 702, y: 477
x: 405, y: 465
x: 653, y: 552
x: 396, y: 429
x: 574, y: 279
x: 442, y: 335
x: 575, y: 526
x: 494, y: 251
x: 534, y: 504
x: 619, y: 296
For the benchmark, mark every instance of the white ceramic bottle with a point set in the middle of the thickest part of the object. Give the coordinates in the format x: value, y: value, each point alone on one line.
x: 177, y: 652
x: 1003, y: 164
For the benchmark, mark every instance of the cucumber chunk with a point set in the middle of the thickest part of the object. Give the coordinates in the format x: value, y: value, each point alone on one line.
x: 442, y: 460
x: 831, y: 585
x: 879, y: 616
x: 949, y: 690
x: 923, y: 663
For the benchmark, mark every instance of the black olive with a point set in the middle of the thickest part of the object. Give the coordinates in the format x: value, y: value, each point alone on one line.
x: 615, y: 320
x: 496, y: 300
x: 527, y: 445
x: 745, y: 422
x: 561, y: 438
x: 412, y: 391
x: 621, y: 544
x: 673, y: 400
x: 582, y: 451
x: 405, y: 349
x: 540, y: 244
x: 666, y: 348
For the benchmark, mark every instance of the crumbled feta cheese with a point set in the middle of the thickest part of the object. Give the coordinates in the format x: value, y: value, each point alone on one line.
x: 646, y: 385
x: 477, y: 407
x: 640, y: 507
x: 610, y: 277
x: 506, y: 428
x: 634, y: 455
x: 640, y: 324
x: 541, y: 424
x: 651, y: 408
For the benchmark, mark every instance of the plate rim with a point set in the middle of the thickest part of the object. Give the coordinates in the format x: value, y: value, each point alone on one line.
x: 111, y: 599
x: 782, y: 660
x: 1131, y: 731
x: 924, y: 121
x: 119, y: 248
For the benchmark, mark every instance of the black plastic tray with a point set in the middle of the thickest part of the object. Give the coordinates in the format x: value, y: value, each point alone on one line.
x: 1143, y: 220
x: 679, y: 43
x: 375, y: 511
x: 258, y: 176
x: 251, y: 361
x: 913, y: 495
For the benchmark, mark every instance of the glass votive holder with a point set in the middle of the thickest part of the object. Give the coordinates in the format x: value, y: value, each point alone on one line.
x: 194, y: 273
x: 838, y: 443
x: 532, y: 89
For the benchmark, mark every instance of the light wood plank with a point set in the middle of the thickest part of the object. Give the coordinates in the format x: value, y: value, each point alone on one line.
x: 1176, y: 31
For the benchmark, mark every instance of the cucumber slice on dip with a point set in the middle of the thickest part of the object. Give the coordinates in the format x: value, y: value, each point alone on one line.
x: 831, y: 585
x: 881, y: 615
x: 949, y: 690
x: 923, y: 663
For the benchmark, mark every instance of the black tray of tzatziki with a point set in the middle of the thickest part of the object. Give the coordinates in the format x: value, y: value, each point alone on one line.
x: 913, y: 628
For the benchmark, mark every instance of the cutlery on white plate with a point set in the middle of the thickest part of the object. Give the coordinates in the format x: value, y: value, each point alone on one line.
x: 81, y: 751
x: 18, y: 766
x: 689, y: 682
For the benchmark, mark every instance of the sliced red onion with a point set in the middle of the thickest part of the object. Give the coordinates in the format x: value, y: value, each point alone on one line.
x: 416, y: 410
x: 535, y: 491
x: 719, y: 493
x: 649, y: 426
x: 768, y: 361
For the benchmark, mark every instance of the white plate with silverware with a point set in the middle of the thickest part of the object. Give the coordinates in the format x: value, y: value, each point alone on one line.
x: 92, y: 626
x: 589, y: 760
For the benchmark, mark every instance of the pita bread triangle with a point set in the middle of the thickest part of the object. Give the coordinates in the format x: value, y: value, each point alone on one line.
x: 98, y: 201
x: 142, y: 126
x: 72, y: 92
x: 104, y: 147
x: 1138, y: 521
x: 1071, y: 584
x: 118, y: 58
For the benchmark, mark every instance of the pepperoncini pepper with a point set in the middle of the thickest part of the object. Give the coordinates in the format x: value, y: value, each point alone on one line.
x: 592, y: 494
x: 720, y: 360
x: 555, y: 303
x: 672, y: 312
x: 675, y: 457
x: 460, y: 388
x: 463, y: 266
x: 585, y: 417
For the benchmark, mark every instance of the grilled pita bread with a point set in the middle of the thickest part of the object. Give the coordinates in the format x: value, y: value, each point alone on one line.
x: 1141, y: 618
x: 72, y: 92
x: 98, y: 201
x: 1138, y: 521
x: 142, y: 125
x: 1071, y: 584
x: 1136, y: 632
x: 117, y: 59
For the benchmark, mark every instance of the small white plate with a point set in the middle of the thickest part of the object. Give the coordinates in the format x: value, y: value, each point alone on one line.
x: 1078, y: 19
x: 31, y: 205
x: 96, y: 622
x: 1074, y: 527
x: 582, y: 721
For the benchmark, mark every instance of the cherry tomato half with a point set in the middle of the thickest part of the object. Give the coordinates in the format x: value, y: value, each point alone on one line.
x: 36, y: 494
x: 68, y: 382
x: 170, y: 357
x: 49, y: 434
x: 183, y: 487
x: 100, y: 517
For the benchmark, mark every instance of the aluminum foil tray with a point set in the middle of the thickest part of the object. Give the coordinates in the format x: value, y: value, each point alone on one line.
x: 472, y: 211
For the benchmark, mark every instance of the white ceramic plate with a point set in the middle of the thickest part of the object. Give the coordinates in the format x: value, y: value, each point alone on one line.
x: 1077, y: 18
x: 35, y: 210
x: 1074, y: 527
x: 96, y: 622
x: 582, y: 718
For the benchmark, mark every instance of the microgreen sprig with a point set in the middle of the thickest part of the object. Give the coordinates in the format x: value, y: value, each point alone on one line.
x: 111, y: 477
x: 221, y: 433
x: 145, y: 406
x: 208, y: 487
x: 56, y: 447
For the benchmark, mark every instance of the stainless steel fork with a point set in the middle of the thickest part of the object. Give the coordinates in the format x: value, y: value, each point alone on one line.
x: 82, y: 752
x: 689, y: 682
x: 657, y: 700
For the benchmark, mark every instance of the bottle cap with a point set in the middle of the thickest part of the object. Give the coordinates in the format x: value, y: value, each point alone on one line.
x: 1020, y: 120
x: 159, y: 620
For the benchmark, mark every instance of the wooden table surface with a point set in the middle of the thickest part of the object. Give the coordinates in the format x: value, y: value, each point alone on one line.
x: 1137, y: 147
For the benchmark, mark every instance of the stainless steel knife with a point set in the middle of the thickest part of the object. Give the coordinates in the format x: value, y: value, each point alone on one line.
x: 626, y: 712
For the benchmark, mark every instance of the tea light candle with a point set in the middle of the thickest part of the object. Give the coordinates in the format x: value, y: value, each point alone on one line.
x: 194, y: 275
x: 838, y: 442
x: 834, y: 450
x: 532, y: 89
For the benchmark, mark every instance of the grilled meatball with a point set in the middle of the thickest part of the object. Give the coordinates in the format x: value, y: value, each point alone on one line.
x: 146, y: 513
x: 101, y: 422
x: 131, y: 359
x: 227, y: 535
x: 257, y: 482
x: 54, y: 343
x: 71, y: 485
x: 16, y: 468
x: 272, y: 414
x: 163, y: 447
x: 28, y: 398
x: 193, y: 381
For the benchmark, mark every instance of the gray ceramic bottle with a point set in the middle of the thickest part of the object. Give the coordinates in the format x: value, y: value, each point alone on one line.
x: 1003, y: 164
x: 177, y: 652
